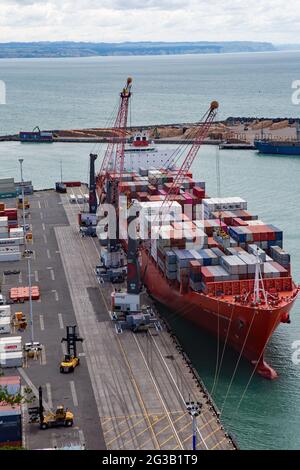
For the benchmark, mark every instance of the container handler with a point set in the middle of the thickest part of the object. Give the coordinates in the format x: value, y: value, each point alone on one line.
x: 71, y: 359
x: 52, y: 419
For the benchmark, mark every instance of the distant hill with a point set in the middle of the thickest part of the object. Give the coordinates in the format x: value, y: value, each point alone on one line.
x: 88, y: 49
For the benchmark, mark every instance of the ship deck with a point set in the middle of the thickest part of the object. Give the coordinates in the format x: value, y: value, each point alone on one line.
x: 130, y: 390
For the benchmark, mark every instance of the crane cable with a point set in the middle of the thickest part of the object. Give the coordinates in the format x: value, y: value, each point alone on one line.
x: 251, y: 376
x: 238, y: 361
x: 218, y: 181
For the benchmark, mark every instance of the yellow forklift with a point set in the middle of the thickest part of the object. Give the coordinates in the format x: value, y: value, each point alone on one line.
x: 52, y: 419
x: 71, y: 359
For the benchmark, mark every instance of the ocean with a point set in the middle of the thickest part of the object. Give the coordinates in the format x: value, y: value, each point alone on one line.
x: 69, y: 93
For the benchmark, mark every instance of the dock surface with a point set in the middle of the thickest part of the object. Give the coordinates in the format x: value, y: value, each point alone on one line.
x: 130, y: 389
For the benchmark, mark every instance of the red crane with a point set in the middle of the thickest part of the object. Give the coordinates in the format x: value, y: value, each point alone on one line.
x: 200, y: 136
x: 113, y: 159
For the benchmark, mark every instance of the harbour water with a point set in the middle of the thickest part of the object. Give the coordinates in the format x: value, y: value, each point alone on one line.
x: 175, y: 89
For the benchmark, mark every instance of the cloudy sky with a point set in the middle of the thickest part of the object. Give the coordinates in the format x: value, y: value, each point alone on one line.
x: 142, y: 20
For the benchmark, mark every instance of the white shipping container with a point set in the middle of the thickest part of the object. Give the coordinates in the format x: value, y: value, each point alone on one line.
x: 14, y: 256
x: 3, y: 221
x: 5, y: 325
x: 11, y: 344
x: 5, y: 311
x: 16, y: 232
x: 11, y: 359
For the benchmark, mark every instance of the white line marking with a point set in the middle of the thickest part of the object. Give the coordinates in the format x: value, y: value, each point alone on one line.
x: 36, y: 276
x: 32, y: 386
x: 20, y: 278
x: 42, y: 325
x: 45, y: 239
x: 64, y: 349
x: 44, y: 359
x: 39, y: 204
x: 74, y: 394
x: 48, y: 388
x: 60, y: 321
x: 81, y: 437
x: 52, y: 275
x: 42, y: 215
x: 43, y: 226
x: 55, y: 295
x: 48, y: 254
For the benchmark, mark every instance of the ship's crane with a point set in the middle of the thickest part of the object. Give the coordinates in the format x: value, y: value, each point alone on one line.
x: 113, y: 159
x: 200, y: 136
x: 178, y: 180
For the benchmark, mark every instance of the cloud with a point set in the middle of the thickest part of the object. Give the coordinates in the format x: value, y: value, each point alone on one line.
x: 136, y: 20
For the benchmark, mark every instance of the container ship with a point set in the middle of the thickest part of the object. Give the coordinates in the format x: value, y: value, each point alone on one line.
x: 208, y: 260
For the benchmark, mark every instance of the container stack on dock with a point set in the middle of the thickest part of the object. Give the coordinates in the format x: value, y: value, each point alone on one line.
x: 10, y: 415
x: 11, y: 236
x: 7, y: 188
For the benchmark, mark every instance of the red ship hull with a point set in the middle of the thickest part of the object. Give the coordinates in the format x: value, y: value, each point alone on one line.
x: 247, y: 329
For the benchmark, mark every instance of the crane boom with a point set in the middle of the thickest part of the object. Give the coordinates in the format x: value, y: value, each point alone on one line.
x: 201, y: 134
x: 114, y: 155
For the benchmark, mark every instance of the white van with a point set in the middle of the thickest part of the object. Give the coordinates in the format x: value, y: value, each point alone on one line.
x: 72, y: 199
x: 80, y: 199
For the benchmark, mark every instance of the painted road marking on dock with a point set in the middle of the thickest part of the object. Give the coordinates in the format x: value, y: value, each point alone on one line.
x: 43, y: 226
x: 74, y: 394
x: 60, y: 321
x: 39, y: 204
x: 55, y: 294
x: 218, y: 443
x: 159, y: 394
x: 52, y: 274
x: 45, y: 239
x: 81, y: 437
x: 48, y: 253
x: 64, y: 349
x: 36, y: 276
x: 42, y: 215
x: 20, y: 278
x: 43, y: 358
x: 176, y: 386
x: 49, y: 395
x: 42, y: 325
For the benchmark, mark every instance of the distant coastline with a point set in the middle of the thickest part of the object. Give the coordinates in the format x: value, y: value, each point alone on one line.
x: 65, y: 49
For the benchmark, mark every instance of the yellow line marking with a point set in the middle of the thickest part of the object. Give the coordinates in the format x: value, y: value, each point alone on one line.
x: 205, y: 424
x: 106, y: 421
x: 124, y: 432
x: 210, y: 434
x: 141, y: 432
x: 113, y: 427
x: 167, y: 440
x: 187, y: 438
x: 218, y: 443
x: 180, y: 417
x: 188, y: 424
x: 163, y: 429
